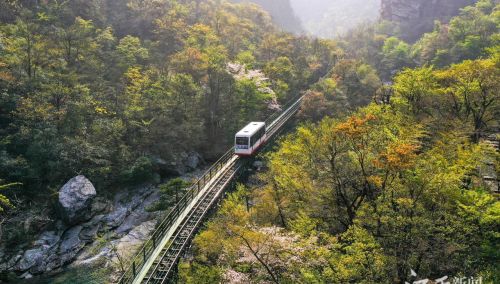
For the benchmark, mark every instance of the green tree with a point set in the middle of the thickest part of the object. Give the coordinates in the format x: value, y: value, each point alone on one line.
x: 77, y: 41
x: 131, y: 52
x: 396, y: 56
x: 356, y: 81
x: 171, y: 192
x: 354, y: 257
x: 282, y: 74
x: 252, y: 99
x: 473, y: 90
x: 24, y: 49
x: 471, y: 31
x: 416, y: 89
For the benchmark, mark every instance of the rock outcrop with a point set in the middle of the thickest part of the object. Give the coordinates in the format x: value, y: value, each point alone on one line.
x: 125, y: 221
x: 418, y: 16
x: 75, y: 200
x: 93, y: 230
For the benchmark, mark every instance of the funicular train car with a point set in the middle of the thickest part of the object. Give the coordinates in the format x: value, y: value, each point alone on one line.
x: 249, y: 139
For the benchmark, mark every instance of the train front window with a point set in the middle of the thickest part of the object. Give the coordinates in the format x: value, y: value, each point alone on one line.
x: 242, y: 142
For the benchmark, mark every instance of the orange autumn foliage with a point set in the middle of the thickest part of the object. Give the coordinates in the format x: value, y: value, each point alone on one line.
x: 398, y: 156
x: 355, y: 126
x: 5, y: 75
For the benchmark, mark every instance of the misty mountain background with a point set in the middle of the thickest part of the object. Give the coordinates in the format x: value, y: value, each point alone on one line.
x: 322, y: 18
x: 333, y: 18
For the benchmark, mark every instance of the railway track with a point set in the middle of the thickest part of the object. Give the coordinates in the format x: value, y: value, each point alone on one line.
x: 157, y: 259
x: 166, y: 262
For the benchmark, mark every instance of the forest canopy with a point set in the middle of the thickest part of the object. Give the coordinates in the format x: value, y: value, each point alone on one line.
x: 109, y: 88
x: 385, y: 172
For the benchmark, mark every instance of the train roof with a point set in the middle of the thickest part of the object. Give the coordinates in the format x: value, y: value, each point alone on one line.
x: 251, y: 129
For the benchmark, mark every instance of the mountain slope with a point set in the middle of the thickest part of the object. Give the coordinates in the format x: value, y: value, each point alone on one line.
x: 281, y: 12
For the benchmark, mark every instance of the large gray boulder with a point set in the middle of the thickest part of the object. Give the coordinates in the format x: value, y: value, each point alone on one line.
x: 193, y: 161
x: 75, y: 200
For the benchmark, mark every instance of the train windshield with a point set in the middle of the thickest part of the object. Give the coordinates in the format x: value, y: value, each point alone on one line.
x: 242, y: 141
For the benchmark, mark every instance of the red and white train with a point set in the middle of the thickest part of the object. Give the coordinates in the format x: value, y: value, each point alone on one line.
x: 249, y: 139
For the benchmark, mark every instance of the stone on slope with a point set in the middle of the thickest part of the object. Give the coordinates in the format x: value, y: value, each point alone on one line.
x: 75, y: 200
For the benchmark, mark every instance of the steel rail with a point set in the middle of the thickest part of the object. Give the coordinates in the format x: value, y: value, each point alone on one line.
x: 139, y: 260
x: 172, y: 252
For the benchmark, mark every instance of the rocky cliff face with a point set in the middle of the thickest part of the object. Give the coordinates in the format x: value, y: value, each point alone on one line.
x: 125, y: 222
x: 417, y: 16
